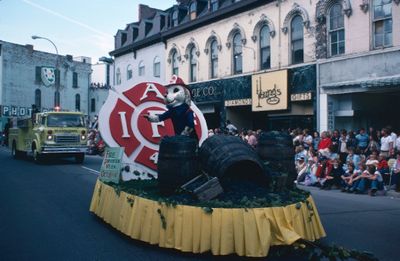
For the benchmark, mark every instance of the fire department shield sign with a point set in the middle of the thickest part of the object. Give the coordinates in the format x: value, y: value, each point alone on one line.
x: 122, y: 124
x: 48, y: 76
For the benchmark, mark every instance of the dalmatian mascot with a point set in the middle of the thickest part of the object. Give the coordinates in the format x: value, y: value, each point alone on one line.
x: 177, y: 99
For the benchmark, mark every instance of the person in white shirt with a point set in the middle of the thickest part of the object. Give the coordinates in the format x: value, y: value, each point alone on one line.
x: 386, y: 143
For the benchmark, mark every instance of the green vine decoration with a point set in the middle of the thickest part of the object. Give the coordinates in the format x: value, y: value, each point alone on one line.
x: 162, y: 217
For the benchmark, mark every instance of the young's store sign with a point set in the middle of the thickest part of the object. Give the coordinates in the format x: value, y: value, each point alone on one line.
x: 270, y: 91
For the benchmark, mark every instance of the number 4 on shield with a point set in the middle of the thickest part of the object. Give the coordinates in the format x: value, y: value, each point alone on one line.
x: 154, y: 158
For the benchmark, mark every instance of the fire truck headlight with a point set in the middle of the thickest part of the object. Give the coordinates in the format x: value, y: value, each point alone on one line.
x: 49, y: 137
x: 83, y: 137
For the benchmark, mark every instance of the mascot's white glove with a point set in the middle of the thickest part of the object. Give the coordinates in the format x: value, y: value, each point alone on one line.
x: 187, y: 131
x: 152, y: 118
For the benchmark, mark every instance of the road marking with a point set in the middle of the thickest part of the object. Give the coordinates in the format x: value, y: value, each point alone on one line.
x: 91, y: 170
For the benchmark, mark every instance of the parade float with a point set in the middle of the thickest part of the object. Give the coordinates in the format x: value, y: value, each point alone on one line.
x: 197, y: 194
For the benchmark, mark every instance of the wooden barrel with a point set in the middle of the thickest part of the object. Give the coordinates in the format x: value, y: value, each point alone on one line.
x: 276, y: 148
x: 230, y: 158
x: 177, y: 162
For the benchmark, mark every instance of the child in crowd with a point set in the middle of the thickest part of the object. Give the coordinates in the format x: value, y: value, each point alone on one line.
x: 323, y: 170
x: 355, y: 177
x: 383, y: 168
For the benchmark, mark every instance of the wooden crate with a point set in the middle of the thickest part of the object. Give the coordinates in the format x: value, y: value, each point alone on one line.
x: 204, y: 187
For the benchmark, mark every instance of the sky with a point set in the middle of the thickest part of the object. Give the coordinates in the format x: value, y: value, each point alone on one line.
x: 77, y: 27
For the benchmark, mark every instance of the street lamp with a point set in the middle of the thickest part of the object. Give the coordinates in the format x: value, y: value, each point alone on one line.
x: 57, y: 95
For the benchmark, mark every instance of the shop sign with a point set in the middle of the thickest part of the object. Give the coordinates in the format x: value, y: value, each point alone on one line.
x: 15, y: 111
x: 111, y: 167
x: 208, y: 91
x: 301, y: 96
x: 270, y: 91
x: 239, y: 102
x: 18, y: 111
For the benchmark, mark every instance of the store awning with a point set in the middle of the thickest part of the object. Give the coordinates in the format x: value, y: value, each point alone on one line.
x: 381, y: 82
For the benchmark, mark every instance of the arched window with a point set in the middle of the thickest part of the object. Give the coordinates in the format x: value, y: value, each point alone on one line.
x: 57, y: 101
x: 193, y: 64
x: 156, y: 67
x: 175, y: 65
x: 265, y: 48
x: 192, y: 10
x: 336, y: 30
x: 237, y: 54
x: 175, y: 21
x: 214, y: 58
x: 129, y: 72
x: 38, y: 98
x: 118, y: 76
x: 141, y: 68
x: 382, y: 23
x: 77, y: 102
x: 296, y: 37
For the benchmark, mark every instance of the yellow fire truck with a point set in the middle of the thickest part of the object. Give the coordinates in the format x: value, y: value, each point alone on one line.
x: 50, y: 133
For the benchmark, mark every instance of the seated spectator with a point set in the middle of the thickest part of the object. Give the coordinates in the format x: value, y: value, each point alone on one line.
x: 383, y: 168
x: 334, y: 176
x: 301, y: 169
x: 324, y: 143
x: 355, y: 178
x: 346, y: 177
x: 300, y: 152
x: 370, y: 179
x: 372, y: 159
x: 323, y: 169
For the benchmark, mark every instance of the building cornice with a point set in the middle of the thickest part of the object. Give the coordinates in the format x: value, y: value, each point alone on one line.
x: 201, y: 21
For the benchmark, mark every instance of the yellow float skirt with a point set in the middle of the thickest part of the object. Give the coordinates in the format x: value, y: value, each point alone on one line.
x: 242, y: 231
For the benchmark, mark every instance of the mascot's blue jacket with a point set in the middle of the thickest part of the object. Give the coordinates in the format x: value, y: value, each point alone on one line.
x: 181, y: 117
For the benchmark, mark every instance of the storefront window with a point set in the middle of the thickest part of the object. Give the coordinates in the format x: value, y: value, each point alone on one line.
x: 214, y: 58
x: 296, y: 33
x: 336, y: 30
x: 193, y: 64
x: 237, y: 54
x: 265, y: 50
x: 382, y: 23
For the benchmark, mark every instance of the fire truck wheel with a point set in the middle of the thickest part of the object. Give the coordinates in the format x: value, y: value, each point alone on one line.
x: 79, y: 158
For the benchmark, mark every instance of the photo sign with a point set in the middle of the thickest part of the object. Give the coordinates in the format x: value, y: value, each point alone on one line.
x: 270, y: 91
x: 122, y: 123
x: 111, y: 166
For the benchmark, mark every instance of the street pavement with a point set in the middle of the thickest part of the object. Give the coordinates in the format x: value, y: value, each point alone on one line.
x: 44, y: 215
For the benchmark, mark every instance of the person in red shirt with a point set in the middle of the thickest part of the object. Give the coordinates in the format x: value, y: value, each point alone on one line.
x: 383, y: 168
x: 324, y: 144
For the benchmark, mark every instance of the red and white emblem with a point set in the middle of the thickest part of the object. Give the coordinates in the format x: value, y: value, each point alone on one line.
x: 122, y: 124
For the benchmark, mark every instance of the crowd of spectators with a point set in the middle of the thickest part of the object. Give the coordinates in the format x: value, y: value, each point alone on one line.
x: 355, y: 162
x: 363, y: 161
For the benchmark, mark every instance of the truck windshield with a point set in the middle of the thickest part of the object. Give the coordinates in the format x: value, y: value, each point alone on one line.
x: 65, y: 120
